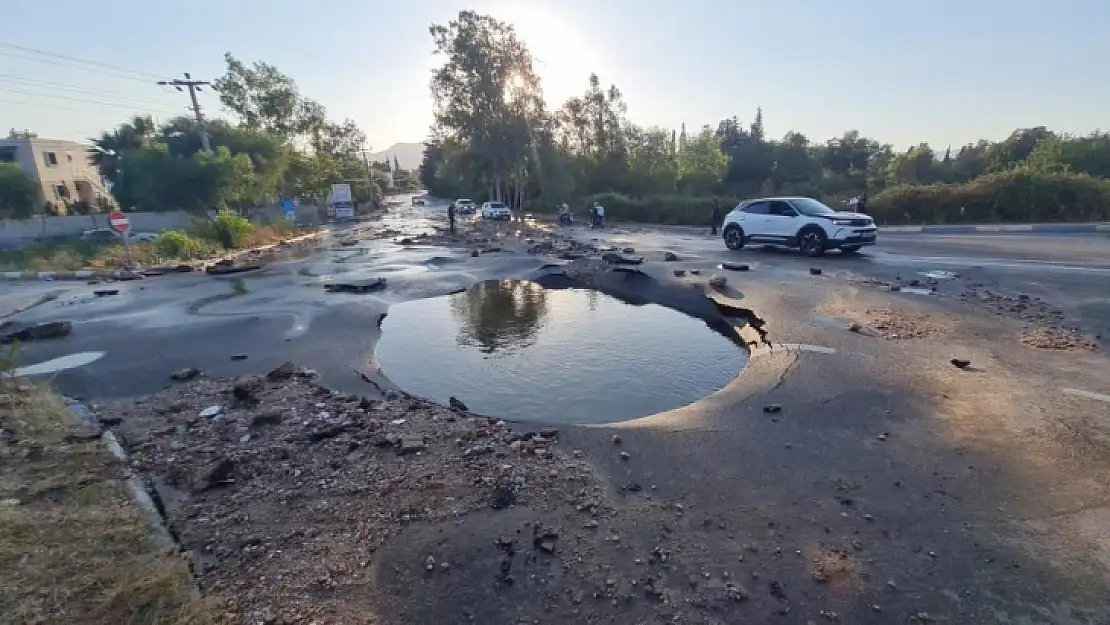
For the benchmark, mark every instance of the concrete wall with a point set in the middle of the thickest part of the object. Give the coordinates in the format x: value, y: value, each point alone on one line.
x: 15, y: 232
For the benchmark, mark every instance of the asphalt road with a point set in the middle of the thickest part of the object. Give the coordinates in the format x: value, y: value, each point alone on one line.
x: 282, y: 313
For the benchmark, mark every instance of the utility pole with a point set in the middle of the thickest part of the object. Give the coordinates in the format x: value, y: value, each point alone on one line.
x: 194, y: 86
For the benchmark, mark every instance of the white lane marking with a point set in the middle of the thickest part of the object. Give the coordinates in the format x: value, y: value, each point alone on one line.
x: 71, y: 361
x: 790, y: 347
x: 1087, y: 394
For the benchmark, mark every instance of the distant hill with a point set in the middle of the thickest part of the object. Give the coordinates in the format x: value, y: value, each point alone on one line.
x: 409, y: 155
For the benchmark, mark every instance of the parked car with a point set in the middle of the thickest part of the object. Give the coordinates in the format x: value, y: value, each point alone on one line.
x: 107, y: 235
x: 464, y: 206
x: 798, y: 222
x: 496, y: 210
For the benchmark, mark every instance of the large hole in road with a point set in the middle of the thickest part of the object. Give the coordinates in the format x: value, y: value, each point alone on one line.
x: 517, y: 350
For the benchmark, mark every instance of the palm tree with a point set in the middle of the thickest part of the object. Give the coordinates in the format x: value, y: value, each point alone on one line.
x: 109, y: 147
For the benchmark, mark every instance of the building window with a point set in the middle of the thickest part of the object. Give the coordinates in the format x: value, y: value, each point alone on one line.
x: 61, y: 192
x: 50, y: 158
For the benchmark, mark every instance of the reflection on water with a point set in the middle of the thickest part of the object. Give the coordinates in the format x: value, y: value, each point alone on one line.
x: 513, y: 349
x: 500, y: 314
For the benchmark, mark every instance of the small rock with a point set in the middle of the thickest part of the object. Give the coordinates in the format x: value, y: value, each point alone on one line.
x: 245, y: 388
x: 211, y: 411
x: 270, y: 417
x: 625, y: 455
x: 670, y: 257
x: 456, y: 404
x: 678, y: 273
x: 959, y: 363
x: 246, y: 438
x: 411, y: 445
x: 430, y: 563
x: 772, y: 408
x: 735, y: 266
x: 718, y: 282
x: 695, y: 272
x: 855, y: 327
x: 217, y: 473
x: 616, y: 439
x: 182, y: 375
x: 814, y: 271
x: 474, y: 253
x: 238, y: 356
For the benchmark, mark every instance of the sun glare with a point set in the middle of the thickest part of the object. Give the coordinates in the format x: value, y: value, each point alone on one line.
x: 562, y: 58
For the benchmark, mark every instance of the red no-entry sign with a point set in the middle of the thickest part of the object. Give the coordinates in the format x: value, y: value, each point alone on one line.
x: 119, y: 222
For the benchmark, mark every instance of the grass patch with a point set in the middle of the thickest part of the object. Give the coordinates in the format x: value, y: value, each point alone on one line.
x: 73, y: 547
x: 205, y: 240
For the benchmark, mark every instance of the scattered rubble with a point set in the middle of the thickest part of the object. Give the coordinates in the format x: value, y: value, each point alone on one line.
x: 1057, y: 338
x: 185, y: 374
x: 897, y: 324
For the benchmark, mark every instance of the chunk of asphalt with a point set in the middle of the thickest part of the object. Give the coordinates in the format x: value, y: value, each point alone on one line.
x: 106, y: 292
x: 734, y: 266
x: 814, y: 271
x: 356, y: 286
x: 772, y: 408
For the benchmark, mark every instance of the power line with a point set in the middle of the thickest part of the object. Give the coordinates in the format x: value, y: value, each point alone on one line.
x: 67, y: 108
x: 85, y: 101
x: 44, y: 84
x: 78, y: 60
x: 86, y: 69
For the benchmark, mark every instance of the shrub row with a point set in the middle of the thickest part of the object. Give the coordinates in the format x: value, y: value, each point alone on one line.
x: 1016, y: 196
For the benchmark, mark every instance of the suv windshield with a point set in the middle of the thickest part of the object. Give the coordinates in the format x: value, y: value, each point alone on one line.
x: 496, y: 205
x: 810, y: 207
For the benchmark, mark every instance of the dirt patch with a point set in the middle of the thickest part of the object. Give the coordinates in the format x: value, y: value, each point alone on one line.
x: 1057, y: 338
x: 73, y: 547
x: 284, y: 491
x: 897, y: 324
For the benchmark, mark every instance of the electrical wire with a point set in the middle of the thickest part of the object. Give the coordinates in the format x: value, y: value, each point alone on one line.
x: 43, y: 84
x: 70, y: 66
x: 80, y: 60
x: 56, y: 106
x: 86, y: 101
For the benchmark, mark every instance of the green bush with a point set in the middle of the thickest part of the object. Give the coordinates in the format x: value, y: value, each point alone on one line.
x: 658, y: 209
x: 1018, y: 195
x: 229, y: 229
x: 180, y: 245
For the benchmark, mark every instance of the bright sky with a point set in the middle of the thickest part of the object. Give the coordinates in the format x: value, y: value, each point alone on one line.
x: 944, y: 71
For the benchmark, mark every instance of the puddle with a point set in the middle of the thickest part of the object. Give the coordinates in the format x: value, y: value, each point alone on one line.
x: 513, y: 349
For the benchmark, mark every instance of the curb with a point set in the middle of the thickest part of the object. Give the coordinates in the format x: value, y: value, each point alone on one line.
x: 1062, y: 228
x: 104, y: 274
x: 140, y: 493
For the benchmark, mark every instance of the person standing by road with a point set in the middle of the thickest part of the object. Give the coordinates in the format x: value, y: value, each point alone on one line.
x: 599, y: 210
x: 861, y: 203
x: 716, y: 216
x: 451, y: 217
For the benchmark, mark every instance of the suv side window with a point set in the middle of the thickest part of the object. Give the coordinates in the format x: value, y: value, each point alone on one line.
x: 757, y: 208
x: 781, y: 208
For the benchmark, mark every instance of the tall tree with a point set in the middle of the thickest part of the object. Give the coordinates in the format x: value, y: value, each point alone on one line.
x: 263, y: 98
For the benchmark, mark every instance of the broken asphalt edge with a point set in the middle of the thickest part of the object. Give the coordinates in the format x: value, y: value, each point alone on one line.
x: 142, y: 494
x: 105, y: 274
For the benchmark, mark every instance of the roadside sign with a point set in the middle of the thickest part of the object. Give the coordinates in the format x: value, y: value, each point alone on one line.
x: 341, y: 194
x: 289, y: 208
x: 119, y: 222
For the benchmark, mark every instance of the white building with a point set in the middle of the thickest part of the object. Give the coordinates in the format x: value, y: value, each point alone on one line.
x: 62, y: 169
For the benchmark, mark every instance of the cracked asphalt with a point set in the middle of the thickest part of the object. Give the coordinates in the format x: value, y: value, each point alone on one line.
x: 891, y: 487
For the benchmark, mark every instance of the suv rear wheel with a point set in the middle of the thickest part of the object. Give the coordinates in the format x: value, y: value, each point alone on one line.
x: 811, y: 242
x: 734, y: 237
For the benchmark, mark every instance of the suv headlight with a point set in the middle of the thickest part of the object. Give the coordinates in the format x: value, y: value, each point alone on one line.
x: 842, y: 222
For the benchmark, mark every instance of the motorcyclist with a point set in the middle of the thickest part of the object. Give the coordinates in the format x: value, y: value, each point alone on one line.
x: 564, y: 214
x: 599, y: 214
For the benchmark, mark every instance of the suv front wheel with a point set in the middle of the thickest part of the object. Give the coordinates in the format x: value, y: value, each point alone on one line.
x: 734, y: 237
x: 811, y: 242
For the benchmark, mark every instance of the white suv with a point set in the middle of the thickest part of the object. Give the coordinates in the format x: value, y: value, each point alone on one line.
x: 496, y: 210
x: 799, y: 222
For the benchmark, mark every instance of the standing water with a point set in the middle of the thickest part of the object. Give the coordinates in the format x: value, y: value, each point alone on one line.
x: 513, y: 349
